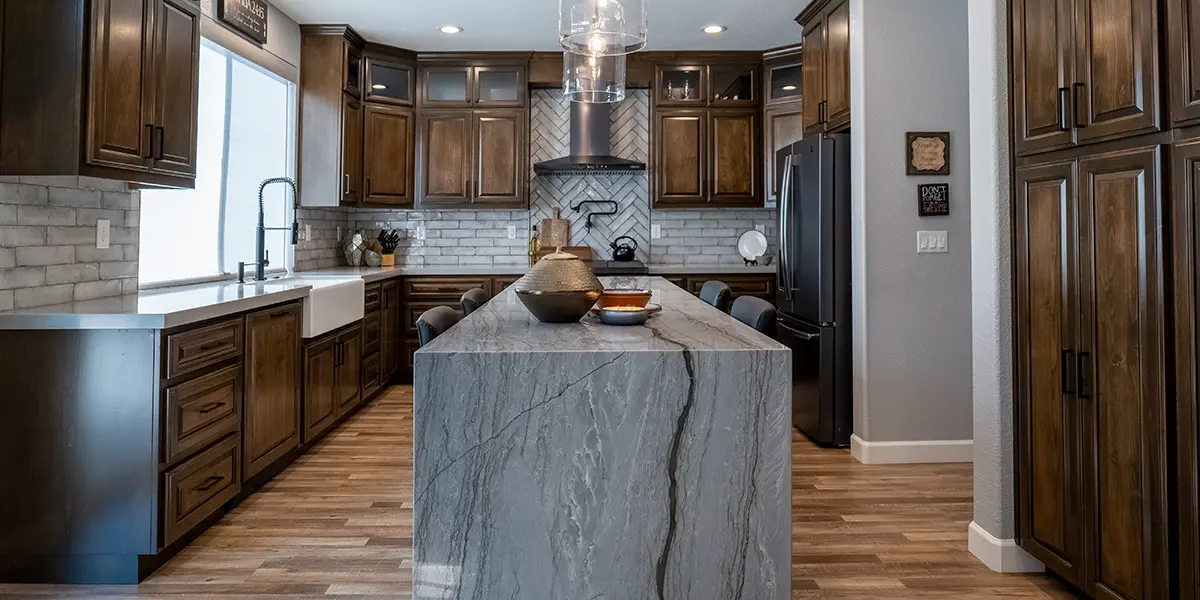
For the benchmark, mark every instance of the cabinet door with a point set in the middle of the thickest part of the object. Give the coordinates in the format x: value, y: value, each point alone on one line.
x: 445, y: 157
x: 814, y: 78
x: 680, y: 141
x: 389, y: 323
x: 349, y: 373
x: 782, y: 128
x: 352, y: 70
x: 320, y: 386
x: 1183, y: 52
x: 389, y: 82
x: 680, y: 85
x: 388, y: 155
x: 784, y: 83
x: 272, y: 408
x: 1122, y: 374
x: 1186, y: 224
x: 1117, y: 62
x: 1047, y: 347
x: 176, y: 86
x: 446, y: 86
x: 499, y: 86
x: 352, y: 148
x: 1043, y: 71
x: 120, y: 94
x: 499, y: 144
x: 733, y: 151
x: 837, y: 67
x: 733, y: 85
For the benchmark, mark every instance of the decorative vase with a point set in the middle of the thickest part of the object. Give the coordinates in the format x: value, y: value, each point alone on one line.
x: 559, y: 288
x: 372, y: 258
x: 352, y: 248
x: 389, y: 260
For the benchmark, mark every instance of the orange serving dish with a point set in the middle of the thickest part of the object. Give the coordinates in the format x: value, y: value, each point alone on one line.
x: 612, y: 297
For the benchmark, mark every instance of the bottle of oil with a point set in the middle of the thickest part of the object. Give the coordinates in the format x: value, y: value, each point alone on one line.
x: 534, y: 246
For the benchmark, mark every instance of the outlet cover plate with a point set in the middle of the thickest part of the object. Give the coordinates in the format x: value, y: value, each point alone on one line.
x: 655, y: 231
x: 103, y: 234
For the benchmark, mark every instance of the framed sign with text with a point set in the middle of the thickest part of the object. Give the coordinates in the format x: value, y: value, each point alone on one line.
x: 248, y: 17
x: 927, y: 153
x: 933, y: 200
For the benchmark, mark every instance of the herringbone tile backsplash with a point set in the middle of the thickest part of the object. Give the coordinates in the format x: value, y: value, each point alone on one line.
x: 480, y: 238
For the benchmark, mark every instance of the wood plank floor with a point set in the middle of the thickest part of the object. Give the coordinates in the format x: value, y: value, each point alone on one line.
x: 337, y: 524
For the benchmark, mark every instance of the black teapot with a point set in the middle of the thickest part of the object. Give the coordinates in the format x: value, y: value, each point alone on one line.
x: 623, y: 252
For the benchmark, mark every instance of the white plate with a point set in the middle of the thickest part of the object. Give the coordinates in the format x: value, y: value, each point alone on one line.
x: 752, y: 245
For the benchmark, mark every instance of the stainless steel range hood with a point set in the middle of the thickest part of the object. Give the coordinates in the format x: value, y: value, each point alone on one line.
x: 591, y: 145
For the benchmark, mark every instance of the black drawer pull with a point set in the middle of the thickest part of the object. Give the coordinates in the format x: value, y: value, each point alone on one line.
x: 212, y: 346
x: 282, y: 313
x: 1085, y: 375
x: 210, y: 482
x: 1068, y: 371
x: 211, y: 406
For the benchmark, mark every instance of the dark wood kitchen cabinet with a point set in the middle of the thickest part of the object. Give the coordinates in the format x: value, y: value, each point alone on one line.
x: 331, y: 116
x: 1084, y: 71
x: 680, y: 139
x: 1185, y: 232
x: 381, y: 337
x: 1091, y: 399
x: 332, y: 379
x: 390, y: 308
x: 109, y: 92
x: 272, y: 407
x: 389, y: 133
x: 1183, y: 56
x: 826, y: 64
x: 783, y: 114
x: 706, y: 158
x: 352, y: 149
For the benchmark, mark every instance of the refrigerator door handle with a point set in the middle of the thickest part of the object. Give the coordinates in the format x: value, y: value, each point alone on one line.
x: 785, y: 201
x: 804, y: 335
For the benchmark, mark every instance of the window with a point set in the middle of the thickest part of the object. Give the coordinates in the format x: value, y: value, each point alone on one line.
x: 245, y: 135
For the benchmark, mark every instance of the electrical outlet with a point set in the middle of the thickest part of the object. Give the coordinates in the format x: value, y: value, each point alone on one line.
x: 420, y: 232
x: 103, y: 234
x: 307, y: 232
x: 932, y: 241
x: 655, y: 231
x: 760, y: 228
x: 339, y: 233
x: 512, y: 232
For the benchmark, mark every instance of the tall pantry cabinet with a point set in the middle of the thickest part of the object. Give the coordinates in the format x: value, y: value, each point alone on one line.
x: 1104, y: 291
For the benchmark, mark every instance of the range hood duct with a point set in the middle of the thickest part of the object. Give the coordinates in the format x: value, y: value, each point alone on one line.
x: 591, y: 145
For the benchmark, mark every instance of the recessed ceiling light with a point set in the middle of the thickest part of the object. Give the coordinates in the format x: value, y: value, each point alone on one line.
x: 451, y: 29
x: 789, y: 88
x: 714, y: 28
x: 380, y: 86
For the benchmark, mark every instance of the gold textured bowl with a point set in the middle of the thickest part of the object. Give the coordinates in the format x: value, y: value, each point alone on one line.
x: 612, y: 297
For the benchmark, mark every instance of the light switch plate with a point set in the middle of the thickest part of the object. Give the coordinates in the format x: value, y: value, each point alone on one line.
x: 760, y: 228
x: 103, y: 234
x: 307, y: 232
x: 512, y: 232
x: 420, y: 232
x: 655, y: 231
x: 932, y: 241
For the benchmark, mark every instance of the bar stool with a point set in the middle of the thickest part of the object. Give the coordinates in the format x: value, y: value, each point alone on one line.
x: 473, y: 299
x: 435, y: 322
x: 755, y: 312
x: 717, y: 294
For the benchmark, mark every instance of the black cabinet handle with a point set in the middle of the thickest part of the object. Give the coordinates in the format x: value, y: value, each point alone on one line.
x: 1068, y: 371
x: 821, y: 112
x: 162, y: 141
x: 1078, y: 88
x: 1063, y: 98
x: 282, y: 313
x: 211, y: 406
x: 209, y: 483
x: 149, y: 142
x: 1085, y: 375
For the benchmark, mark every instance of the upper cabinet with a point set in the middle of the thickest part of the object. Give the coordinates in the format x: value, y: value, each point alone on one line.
x: 719, y: 83
x: 331, y: 121
x: 462, y: 85
x: 783, y: 115
x: 1183, y: 35
x: 389, y: 81
x: 826, y: 66
x: 1084, y: 71
x: 110, y: 92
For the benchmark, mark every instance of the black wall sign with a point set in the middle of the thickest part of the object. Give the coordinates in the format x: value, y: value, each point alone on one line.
x: 248, y: 17
x: 934, y: 199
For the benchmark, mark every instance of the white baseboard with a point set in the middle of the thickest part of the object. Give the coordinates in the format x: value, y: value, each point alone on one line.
x: 1002, y: 556
x: 896, y: 453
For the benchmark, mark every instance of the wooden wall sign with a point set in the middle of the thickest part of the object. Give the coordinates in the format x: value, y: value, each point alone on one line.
x: 248, y: 17
x: 927, y: 152
x: 933, y: 199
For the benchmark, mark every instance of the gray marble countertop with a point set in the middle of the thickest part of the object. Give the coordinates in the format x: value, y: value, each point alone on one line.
x: 685, y: 323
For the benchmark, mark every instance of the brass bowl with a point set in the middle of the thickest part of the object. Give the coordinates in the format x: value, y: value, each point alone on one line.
x: 559, y: 307
x: 616, y: 297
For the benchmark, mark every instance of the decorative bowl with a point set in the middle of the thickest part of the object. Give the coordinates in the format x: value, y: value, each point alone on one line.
x: 615, y: 297
x: 624, y: 315
x: 558, y: 307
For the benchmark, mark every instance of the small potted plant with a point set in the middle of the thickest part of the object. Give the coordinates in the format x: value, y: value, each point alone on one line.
x: 389, y: 239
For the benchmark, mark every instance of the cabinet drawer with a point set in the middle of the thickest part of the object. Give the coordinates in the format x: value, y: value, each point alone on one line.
x: 413, y: 311
x: 751, y: 286
x: 190, y: 351
x: 370, y: 375
x: 371, y: 297
x: 201, y: 411
x: 444, y: 287
x: 199, y: 487
x: 372, y: 334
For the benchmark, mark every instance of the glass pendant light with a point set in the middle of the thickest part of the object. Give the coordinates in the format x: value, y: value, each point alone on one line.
x: 598, y: 79
x: 602, y: 27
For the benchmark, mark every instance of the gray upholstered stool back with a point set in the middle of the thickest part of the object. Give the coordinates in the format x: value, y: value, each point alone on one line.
x: 473, y: 299
x: 435, y: 322
x: 717, y: 294
x: 755, y: 312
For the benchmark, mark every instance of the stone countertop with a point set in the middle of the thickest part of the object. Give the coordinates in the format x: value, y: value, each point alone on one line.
x: 685, y: 324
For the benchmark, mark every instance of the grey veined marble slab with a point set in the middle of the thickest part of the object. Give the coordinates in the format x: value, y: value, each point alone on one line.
x: 584, y: 461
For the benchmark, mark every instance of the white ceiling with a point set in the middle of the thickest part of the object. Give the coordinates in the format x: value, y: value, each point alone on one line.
x: 533, y: 24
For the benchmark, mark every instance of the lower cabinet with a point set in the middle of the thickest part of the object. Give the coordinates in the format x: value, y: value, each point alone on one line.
x: 757, y: 285
x: 1185, y: 220
x: 389, y: 323
x: 199, y: 486
x: 272, y: 404
x: 381, y: 345
x: 420, y: 294
x: 332, y: 379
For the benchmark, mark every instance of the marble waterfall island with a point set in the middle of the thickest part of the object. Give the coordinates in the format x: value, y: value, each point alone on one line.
x: 585, y: 461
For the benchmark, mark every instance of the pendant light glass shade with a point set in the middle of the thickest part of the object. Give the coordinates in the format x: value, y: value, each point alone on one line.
x: 593, y: 78
x: 602, y: 27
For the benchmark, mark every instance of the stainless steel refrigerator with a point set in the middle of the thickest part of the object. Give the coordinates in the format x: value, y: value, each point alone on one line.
x: 813, y: 298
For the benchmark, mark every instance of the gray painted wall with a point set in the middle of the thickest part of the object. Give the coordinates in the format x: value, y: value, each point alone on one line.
x: 912, y: 312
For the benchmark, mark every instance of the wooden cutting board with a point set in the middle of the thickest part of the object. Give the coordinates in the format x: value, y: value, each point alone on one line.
x: 583, y: 252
